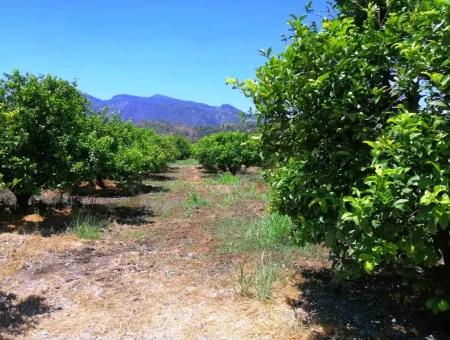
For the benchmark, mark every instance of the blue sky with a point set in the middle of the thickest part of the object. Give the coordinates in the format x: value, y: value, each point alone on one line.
x: 183, y: 49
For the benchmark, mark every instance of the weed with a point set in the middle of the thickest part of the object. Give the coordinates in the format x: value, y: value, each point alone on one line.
x: 266, y: 274
x: 178, y: 185
x: 243, y: 190
x: 86, y: 226
x: 244, y: 280
x: 271, y: 232
x: 195, y: 201
x: 256, y: 280
x: 166, y: 208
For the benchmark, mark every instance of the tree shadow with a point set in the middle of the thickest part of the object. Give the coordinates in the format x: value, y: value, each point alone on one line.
x: 52, y: 211
x: 210, y: 172
x: 48, y: 220
x: 16, y: 316
x: 160, y: 177
x: 369, y: 308
x: 135, y: 216
x: 120, y: 190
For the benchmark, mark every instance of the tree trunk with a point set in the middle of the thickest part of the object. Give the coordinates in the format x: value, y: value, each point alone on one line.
x: 444, y: 245
x: 22, y: 202
x: 101, y: 183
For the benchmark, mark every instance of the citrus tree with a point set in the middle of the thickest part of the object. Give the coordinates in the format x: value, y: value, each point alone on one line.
x: 359, y: 78
x: 114, y: 149
x: 41, y: 117
x: 226, y: 151
x: 182, y: 144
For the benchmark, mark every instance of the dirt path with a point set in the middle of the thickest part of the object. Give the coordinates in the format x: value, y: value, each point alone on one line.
x: 161, y: 278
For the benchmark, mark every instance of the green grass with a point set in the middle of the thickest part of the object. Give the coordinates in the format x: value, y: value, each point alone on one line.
x: 193, y: 201
x: 246, y: 188
x: 270, y: 247
x: 86, y: 226
x: 256, y: 279
x: 266, y: 275
x: 272, y: 232
x: 225, y: 178
x: 184, y: 162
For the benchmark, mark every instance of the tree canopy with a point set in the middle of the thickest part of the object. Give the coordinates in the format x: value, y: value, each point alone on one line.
x: 354, y: 117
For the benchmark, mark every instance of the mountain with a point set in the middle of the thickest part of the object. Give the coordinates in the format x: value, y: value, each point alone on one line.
x: 167, y: 109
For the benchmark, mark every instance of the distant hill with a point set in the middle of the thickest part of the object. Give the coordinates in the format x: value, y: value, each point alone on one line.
x: 167, y: 109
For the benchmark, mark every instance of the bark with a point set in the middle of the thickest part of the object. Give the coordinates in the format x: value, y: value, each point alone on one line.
x: 101, y: 183
x: 22, y: 202
x: 442, y: 273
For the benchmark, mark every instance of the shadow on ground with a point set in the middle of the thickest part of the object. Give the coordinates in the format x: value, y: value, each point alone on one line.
x: 119, y: 191
x: 364, y: 309
x: 160, y: 178
x: 18, y: 316
x: 122, y: 214
x: 48, y: 221
x: 51, y: 212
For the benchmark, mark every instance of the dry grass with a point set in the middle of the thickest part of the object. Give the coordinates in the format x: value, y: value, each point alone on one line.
x: 161, y: 279
x: 18, y: 250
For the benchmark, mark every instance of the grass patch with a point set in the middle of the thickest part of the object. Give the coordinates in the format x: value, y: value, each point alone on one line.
x: 269, y: 246
x: 136, y: 235
x: 266, y: 275
x: 167, y: 208
x: 224, y: 178
x: 177, y: 185
x: 195, y: 200
x: 86, y: 226
x: 185, y: 162
x: 272, y: 232
x: 247, y: 188
x: 256, y: 279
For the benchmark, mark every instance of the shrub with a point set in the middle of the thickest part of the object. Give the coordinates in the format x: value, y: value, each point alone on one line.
x: 227, y: 151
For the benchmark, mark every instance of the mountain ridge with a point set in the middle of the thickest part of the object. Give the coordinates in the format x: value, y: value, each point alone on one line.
x: 163, y: 108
